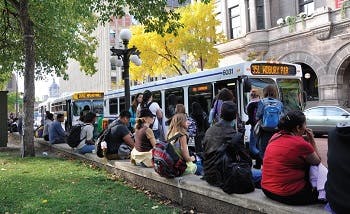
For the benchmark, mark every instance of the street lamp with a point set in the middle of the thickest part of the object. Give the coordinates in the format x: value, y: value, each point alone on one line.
x: 122, y: 58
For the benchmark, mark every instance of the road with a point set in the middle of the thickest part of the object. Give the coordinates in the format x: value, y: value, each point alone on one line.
x: 322, y: 145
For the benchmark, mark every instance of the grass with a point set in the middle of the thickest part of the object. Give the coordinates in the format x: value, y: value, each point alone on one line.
x: 52, y: 185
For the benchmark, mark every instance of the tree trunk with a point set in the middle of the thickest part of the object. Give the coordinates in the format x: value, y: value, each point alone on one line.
x: 29, y: 87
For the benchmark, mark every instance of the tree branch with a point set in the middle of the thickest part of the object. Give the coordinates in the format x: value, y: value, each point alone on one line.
x: 15, y: 4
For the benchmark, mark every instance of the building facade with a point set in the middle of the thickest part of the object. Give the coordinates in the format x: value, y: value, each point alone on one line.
x: 108, y: 76
x: 313, y: 33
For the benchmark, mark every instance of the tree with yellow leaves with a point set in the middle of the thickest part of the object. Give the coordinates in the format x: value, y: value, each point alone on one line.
x: 171, y: 55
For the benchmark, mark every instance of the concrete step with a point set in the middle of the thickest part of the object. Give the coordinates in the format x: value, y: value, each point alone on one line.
x: 189, y: 190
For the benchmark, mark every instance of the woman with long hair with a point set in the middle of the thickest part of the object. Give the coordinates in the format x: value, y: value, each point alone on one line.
x: 179, y: 124
x: 133, y: 109
x: 292, y: 164
x: 144, y: 140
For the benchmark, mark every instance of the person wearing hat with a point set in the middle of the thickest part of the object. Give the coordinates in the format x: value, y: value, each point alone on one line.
x: 215, y: 137
x: 144, y: 139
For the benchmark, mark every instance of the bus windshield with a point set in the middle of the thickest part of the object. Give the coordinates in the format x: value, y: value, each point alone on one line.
x: 96, y: 106
x: 289, y: 91
x: 290, y: 94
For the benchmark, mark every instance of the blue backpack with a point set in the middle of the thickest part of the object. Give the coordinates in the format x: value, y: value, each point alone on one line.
x: 271, y: 113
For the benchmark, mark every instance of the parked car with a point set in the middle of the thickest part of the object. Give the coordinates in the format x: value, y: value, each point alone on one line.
x: 322, y: 118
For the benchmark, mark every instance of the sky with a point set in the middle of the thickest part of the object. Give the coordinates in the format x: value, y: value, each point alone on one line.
x: 41, y: 87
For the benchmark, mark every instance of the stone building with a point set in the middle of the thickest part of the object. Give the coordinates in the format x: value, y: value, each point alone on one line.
x: 313, y: 33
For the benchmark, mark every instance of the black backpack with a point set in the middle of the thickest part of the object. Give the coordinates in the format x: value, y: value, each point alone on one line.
x: 105, y: 136
x: 73, y: 138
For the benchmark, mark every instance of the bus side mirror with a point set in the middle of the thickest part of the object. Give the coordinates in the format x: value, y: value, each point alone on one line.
x: 247, y: 85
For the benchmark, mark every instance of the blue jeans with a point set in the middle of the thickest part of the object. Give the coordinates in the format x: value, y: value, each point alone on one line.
x: 199, y: 170
x: 256, y: 177
x: 86, y: 149
x: 252, y: 143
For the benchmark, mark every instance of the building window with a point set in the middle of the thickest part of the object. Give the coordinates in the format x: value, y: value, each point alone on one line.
x: 235, y: 22
x: 260, y: 15
x: 306, y: 6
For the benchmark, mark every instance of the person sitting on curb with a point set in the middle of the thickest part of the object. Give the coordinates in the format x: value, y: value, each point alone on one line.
x: 292, y: 172
x: 87, y: 145
x: 119, y: 142
x: 179, y: 124
x: 221, y: 140
x: 144, y: 140
x: 56, y: 132
x: 48, y: 121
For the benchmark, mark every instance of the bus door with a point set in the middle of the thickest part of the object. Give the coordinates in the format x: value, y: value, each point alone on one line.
x: 230, y: 84
x: 69, y: 111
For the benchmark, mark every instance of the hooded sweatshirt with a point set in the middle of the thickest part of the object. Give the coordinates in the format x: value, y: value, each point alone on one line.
x: 338, y: 179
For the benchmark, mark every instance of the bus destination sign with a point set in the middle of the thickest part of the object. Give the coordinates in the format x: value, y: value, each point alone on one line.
x: 87, y: 95
x: 272, y: 69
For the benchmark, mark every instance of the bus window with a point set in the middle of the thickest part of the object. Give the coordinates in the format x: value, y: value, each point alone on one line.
x: 97, y: 106
x: 290, y: 94
x: 258, y: 84
x: 157, y: 97
x: 202, y: 94
x: 78, y: 106
x: 122, y: 104
x: 113, y: 106
x: 173, y: 97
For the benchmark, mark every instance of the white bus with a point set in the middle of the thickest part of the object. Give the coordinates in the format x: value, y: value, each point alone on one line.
x: 72, y: 104
x: 202, y: 87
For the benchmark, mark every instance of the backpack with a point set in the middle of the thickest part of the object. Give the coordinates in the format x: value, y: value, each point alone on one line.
x: 144, y: 107
x: 105, y: 136
x: 227, y: 163
x: 167, y: 163
x: 236, y: 167
x: 271, y: 113
x: 73, y: 138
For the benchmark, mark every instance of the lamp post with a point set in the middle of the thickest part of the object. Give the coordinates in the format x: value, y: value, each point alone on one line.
x: 122, y: 58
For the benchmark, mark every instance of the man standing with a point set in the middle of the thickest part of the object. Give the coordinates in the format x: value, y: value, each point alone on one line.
x: 147, y: 102
x: 118, y: 141
x: 56, y: 132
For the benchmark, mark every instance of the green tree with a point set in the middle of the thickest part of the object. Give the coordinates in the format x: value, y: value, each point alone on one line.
x: 11, y: 102
x: 169, y: 54
x: 38, y: 37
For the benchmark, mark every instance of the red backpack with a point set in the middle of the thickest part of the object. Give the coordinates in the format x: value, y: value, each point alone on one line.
x: 166, y: 161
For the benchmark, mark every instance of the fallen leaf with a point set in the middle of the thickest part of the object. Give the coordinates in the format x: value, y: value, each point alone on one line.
x: 44, y: 201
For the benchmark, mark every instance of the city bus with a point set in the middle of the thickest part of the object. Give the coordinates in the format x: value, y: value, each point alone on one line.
x: 202, y: 87
x: 72, y: 104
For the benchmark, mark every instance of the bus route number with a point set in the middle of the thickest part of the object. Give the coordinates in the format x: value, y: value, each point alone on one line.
x: 272, y: 69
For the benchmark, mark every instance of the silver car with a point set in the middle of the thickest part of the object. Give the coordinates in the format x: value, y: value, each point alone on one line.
x: 322, y: 118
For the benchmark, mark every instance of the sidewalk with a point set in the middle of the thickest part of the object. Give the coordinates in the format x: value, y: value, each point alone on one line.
x: 189, y: 190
